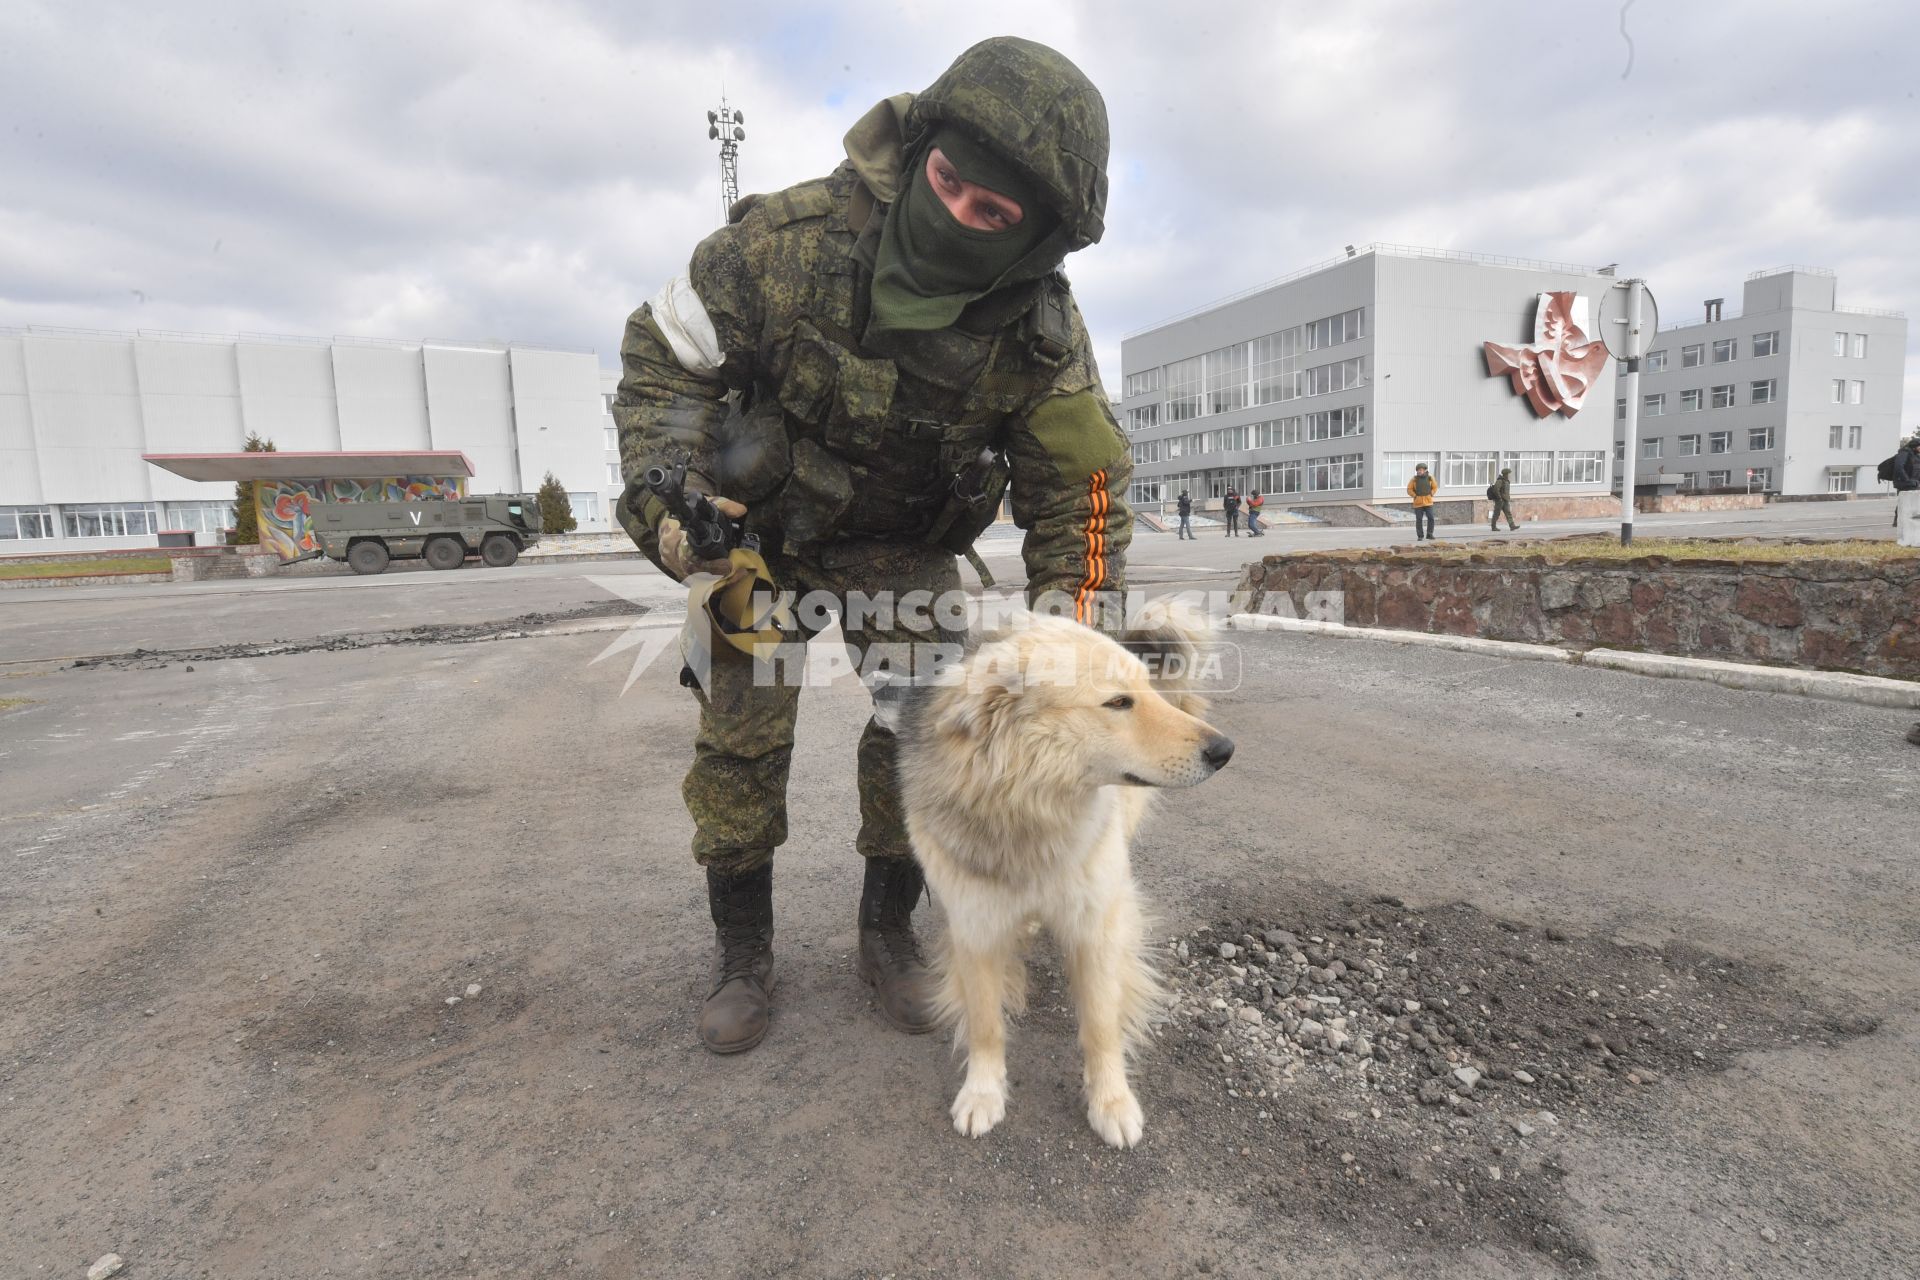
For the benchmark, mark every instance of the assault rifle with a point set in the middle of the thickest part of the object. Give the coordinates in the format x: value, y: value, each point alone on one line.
x: 710, y: 535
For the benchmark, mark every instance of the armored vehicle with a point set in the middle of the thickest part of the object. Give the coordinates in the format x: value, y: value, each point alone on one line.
x: 442, y: 531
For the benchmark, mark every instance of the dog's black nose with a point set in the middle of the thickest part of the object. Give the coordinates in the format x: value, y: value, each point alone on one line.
x: 1217, y: 750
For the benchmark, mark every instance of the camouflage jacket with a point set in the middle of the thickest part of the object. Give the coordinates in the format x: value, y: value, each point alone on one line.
x: 751, y: 370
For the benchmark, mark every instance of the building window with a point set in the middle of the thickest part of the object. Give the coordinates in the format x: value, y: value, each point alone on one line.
x: 1765, y: 344
x: 1334, y: 330
x: 1762, y: 391
x: 1139, y: 384
x: 1692, y: 357
x: 1275, y: 363
x: 1657, y: 361
x: 1267, y: 435
x: 586, y: 507
x: 1834, y: 435
x: 201, y: 517
x: 1581, y: 466
x: 613, y: 439
x: 1840, y: 344
x: 1534, y: 467
x: 1338, y: 376
x: 1855, y: 391
x: 1653, y: 406
x: 1720, y: 442
x: 1842, y: 480
x: 1760, y: 437
x: 1333, y: 424
x: 1397, y: 468
x: 25, y: 522
x: 606, y: 402
x: 1146, y: 415
x: 1620, y: 409
x: 1760, y: 478
x: 1690, y: 446
x: 613, y: 474
x: 1144, y: 491
x: 1859, y: 346
x: 1186, y: 383
x: 1229, y: 440
x: 1687, y: 481
x: 1345, y: 471
x: 1690, y: 401
x: 1650, y: 448
x: 1853, y: 437
x: 1719, y: 479
x: 1725, y: 349
x: 1839, y: 390
x: 1619, y: 450
x: 1276, y: 477
x: 1723, y: 397
x: 109, y: 520
x: 1464, y: 469
x: 1227, y: 379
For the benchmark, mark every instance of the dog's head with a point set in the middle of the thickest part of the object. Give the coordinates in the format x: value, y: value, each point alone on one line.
x: 1063, y: 707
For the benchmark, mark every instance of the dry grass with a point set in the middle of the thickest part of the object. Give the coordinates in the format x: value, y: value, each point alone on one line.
x: 86, y: 568
x: 8, y: 704
x: 1606, y: 548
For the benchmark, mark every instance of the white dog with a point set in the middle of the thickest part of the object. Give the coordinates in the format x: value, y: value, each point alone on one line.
x: 1024, y: 772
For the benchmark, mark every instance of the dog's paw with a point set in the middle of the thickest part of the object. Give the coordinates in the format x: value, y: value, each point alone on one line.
x: 977, y: 1108
x: 1117, y: 1119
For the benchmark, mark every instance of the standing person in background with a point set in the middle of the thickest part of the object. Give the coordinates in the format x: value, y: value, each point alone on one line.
x: 1500, y: 493
x: 1421, y: 489
x: 1255, y: 504
x: 1186, y: 514
x: 1231, y: 506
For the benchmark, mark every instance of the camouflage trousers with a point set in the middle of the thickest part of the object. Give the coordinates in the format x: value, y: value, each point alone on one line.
x: 736, y: 791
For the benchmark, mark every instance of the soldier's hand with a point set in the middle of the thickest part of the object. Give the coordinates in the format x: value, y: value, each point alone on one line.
x: 677, y: 558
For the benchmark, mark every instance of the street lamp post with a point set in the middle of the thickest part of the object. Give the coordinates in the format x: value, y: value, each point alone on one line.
x: 1635, y: 330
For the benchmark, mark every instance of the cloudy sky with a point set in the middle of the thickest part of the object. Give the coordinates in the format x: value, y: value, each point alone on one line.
x: 531, y: 170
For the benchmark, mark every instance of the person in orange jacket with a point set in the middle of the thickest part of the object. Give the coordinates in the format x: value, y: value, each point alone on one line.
x: 1421, y: 489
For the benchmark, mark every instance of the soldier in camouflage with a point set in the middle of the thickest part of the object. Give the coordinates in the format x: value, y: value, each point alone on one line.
x: 863, y: 365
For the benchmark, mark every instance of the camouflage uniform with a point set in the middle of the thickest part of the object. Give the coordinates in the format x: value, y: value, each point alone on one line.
x: 753, y: 370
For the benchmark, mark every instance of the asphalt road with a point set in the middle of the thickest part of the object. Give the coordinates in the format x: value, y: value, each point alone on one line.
x: 238, y: 897
x: 70, y: 622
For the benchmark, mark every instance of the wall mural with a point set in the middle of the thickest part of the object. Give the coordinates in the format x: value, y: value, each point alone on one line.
x: 1557, y: 369
x: 286, y: 506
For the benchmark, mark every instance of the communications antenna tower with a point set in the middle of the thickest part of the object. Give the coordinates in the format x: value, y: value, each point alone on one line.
x: 724, y: 125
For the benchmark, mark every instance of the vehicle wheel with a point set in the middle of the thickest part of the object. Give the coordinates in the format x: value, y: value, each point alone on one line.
x: 446, y: 553
x: 368, y: 557
x: 499, y: 551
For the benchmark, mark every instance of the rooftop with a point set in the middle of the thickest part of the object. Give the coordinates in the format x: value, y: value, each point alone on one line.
x: 280, y: 339
x: 328, y: 465
x: 1384, y: 250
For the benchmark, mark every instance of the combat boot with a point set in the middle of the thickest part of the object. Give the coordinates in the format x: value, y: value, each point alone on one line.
x: 734, y: 1018
x: 890, y: 960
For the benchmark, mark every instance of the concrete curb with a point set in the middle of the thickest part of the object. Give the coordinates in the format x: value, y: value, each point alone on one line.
x: 1833, y: 686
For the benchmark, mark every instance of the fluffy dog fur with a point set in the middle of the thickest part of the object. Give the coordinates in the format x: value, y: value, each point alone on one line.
x: 1025, y: 773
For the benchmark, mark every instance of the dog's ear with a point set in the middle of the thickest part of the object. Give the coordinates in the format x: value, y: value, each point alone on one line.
x: 985, y: 693
x: 1167, y: 636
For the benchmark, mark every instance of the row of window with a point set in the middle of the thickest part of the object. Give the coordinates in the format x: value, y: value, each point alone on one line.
x: 112, y: 519
x: 1477, y: 468
x: 1761, y: 391
x: 1756, y: 479
x: 1264, y: 370
x: 1327, y: 424
x: 1759, y: 439
x: 1848, y: 391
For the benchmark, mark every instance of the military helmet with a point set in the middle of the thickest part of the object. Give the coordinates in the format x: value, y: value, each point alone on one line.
x: 1033, y: 106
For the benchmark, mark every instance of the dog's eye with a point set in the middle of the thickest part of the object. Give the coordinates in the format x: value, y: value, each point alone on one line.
x: 1124, y: 702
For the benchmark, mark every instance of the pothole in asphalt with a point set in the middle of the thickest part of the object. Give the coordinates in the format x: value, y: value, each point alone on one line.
x: 432, y: 633
x: 1421, y: 1069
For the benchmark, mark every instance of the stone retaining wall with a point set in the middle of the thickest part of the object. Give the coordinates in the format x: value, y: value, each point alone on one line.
x: 1840, y: 615
x: 1697, y: 502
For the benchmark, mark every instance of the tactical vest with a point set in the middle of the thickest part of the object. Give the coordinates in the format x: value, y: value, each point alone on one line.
x: 835, y: 441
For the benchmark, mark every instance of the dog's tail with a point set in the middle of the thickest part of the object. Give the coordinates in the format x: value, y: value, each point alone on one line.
x: 1167, y: 636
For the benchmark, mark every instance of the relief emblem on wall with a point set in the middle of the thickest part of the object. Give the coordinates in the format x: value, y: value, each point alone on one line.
x: 1555, y: 370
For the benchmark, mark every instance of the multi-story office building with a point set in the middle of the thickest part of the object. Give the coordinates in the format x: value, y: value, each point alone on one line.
x: 1792, y: 395
x: 78, y: 410
x: 1331, y: 384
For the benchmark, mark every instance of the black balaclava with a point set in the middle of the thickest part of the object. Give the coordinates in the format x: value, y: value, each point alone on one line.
x: 929, y: 265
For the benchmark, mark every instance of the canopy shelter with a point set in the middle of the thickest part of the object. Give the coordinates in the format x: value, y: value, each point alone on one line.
x: 286, y: 485
x: 331, y: 465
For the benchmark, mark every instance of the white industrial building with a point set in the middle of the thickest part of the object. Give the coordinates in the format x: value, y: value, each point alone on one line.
x: 1331, y: 384
x: 80, y: 409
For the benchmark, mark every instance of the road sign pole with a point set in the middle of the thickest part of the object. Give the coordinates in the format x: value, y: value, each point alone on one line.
x: 1630, y: 444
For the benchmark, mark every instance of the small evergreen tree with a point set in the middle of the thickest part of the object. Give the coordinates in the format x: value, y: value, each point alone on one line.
x: 556, y: 513
x: 246, y: 513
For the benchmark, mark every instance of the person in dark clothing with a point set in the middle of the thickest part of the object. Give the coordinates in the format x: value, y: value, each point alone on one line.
x: 1231, y: 505
x: 1255, y: 505
x: 1186, y: 515
x: 1906, y: 478
x: 1501, y: 492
